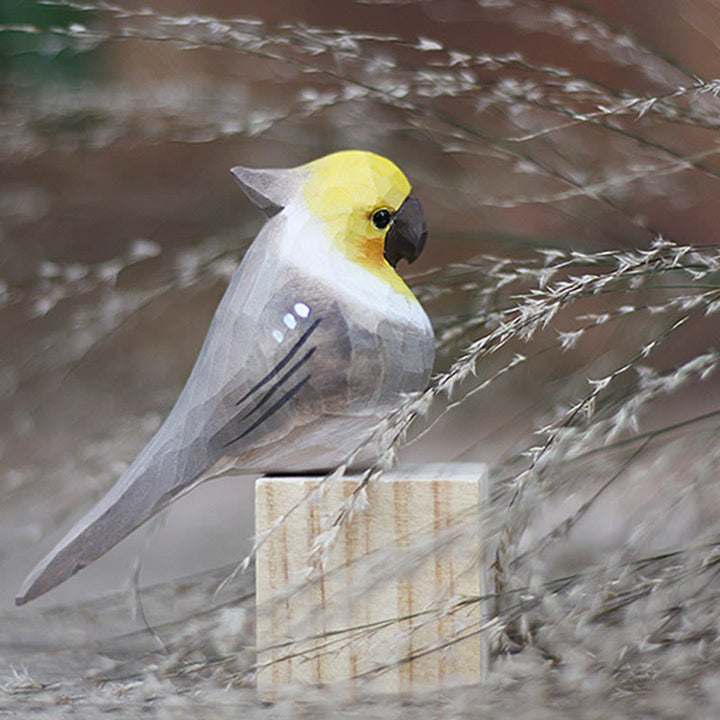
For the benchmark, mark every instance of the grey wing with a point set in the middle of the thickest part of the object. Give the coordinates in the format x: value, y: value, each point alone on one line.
x: 333, y: 371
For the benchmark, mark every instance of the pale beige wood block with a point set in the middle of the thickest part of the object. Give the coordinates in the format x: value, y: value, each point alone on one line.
x: 372, y: 605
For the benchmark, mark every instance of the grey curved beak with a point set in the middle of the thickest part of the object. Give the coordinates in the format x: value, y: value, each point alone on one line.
x: 407, y: 234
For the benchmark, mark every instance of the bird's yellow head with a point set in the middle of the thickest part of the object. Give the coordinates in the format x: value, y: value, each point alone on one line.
x: 360, y: 198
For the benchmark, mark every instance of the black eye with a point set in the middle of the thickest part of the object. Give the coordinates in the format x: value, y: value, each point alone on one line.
x: 381, y: 219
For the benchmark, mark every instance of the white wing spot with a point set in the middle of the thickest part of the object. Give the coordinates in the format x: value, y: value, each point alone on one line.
x: 277, y: 334
x: 290, y: 321
x: 301, y: 309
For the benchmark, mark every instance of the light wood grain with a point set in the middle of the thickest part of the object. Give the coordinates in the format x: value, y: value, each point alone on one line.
x: 372, y: 605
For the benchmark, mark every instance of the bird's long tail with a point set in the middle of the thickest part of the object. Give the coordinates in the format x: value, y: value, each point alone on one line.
x: 168, y: 466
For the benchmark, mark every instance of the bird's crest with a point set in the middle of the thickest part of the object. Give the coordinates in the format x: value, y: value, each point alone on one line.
x: 271, y: 190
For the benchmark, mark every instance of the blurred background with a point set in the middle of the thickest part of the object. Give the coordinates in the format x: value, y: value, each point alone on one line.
x: 547, y: 140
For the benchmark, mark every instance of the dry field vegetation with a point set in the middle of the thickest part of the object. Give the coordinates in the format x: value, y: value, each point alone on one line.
x: 567, y: 155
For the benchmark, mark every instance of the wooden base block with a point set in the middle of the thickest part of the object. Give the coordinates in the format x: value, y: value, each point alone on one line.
x: 372, y: 614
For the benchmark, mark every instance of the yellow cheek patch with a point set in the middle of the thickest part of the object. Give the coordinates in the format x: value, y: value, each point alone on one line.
x: 344, y: 190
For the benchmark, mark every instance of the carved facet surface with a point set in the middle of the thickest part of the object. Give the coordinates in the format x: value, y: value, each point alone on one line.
x: 315, y: 341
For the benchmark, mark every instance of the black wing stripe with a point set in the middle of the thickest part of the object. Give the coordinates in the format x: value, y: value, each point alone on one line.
x: 272, y: 390
x: 271, y: 410
x: 288, y: 357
